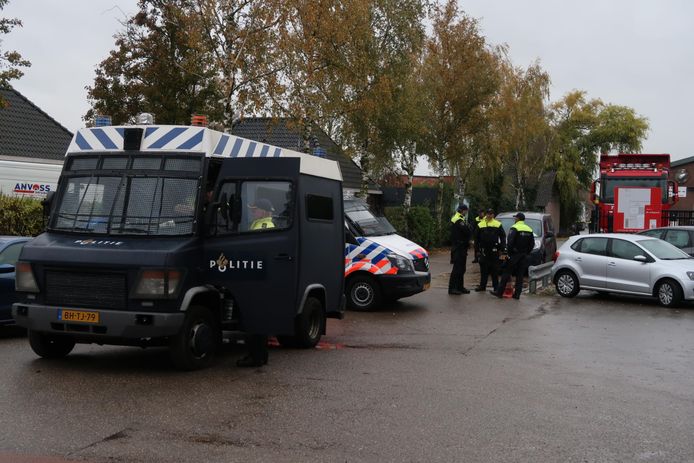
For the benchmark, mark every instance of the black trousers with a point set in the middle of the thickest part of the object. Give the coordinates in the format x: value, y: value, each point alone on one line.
x: 257, y: 347
x: 489, y: 266
x: 455, y: 282
x: 515, y: 265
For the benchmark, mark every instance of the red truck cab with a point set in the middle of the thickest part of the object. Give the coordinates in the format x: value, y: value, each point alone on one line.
x: 632, y: 193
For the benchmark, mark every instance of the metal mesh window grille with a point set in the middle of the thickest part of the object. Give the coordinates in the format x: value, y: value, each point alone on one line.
x: 128, y: 205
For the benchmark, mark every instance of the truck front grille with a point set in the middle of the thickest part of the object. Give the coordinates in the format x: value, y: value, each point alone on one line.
x: 88, y: 290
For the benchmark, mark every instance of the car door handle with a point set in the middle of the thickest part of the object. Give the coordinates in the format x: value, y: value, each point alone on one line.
x: 579, y: 259
x: 612, y: 264
x: 283, y: 257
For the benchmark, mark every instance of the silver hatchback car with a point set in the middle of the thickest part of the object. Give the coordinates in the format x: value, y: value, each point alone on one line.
x: 625, y: 264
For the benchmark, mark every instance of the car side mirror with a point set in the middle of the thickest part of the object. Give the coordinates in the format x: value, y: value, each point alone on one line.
x: 549, y: 234
x: 641, y: 258
x: 6, y: 268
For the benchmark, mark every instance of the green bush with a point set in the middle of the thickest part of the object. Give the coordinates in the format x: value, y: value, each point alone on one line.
x: 421, y: 226
x: 20, y: 216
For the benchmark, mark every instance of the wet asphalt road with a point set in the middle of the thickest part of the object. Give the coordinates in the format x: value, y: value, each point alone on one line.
x: 430, y: 378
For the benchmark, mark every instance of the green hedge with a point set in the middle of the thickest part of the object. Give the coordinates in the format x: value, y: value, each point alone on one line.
x: 419, y: 226
x: 20, y: 216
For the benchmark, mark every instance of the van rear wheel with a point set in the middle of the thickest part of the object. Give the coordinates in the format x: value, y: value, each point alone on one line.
x: 363, y: 293
x: 50, y: 346
x: 308, y: 326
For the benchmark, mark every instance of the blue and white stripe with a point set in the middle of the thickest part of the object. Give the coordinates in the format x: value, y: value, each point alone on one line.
x: 174, y: 138
x: 230, y: 146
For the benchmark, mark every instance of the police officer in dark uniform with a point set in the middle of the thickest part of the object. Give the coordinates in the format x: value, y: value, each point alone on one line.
x: 492, y: 240
x: 460, y: 242
x: 519, y: 245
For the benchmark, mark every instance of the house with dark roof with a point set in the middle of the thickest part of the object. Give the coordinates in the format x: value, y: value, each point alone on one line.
x: 682, y: 172
x: 27, y: 133
x: 280, y: 132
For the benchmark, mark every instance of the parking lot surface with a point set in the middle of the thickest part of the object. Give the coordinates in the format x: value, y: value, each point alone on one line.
x: 429, y: 378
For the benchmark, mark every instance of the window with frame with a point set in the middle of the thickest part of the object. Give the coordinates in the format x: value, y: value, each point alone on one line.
x: 319, y: 208
x: 596, y: 246
x: 678, y: 238
x: 622, y: 249
x: 265, y: 205
x: 10, y: 254
x: 652, y: 233
x: 252, y: 206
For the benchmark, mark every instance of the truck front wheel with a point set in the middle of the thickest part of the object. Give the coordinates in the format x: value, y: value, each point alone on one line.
x: 195, y: 346
x: 308, y: 327
x: 50, y: 346
x: 363, y: 293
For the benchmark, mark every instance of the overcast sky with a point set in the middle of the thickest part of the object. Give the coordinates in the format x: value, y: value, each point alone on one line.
x: 637, y: 53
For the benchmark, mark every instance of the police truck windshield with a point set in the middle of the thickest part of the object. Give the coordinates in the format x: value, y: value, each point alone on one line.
x: 122, y: 195
x: 367, y: 223
x: 610, y: 183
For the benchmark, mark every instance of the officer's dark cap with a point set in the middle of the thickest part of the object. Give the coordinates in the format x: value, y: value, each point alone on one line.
x: 520, y: 216
x: 462, y: 207
x: 490, y: 211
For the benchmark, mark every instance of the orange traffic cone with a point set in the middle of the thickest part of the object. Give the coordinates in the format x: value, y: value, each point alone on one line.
x: 508, y: 291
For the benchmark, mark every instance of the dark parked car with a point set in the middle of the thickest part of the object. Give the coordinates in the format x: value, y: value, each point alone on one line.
x: 10, y: 247
x: 681, y: 237
x: 543, y: 229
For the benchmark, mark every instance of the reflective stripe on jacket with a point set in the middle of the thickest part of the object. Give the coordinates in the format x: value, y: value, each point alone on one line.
x: 265, y: 222
x: 521, y: 239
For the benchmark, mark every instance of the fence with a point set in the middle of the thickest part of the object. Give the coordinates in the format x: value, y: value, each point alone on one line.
x: 539, y: 273
x: 674, y: 218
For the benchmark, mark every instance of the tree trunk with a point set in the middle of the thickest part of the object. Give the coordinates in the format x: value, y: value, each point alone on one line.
x: 364, y: 161
x: 439, y: 205
x: 461, y: 184
x: 409, y: 161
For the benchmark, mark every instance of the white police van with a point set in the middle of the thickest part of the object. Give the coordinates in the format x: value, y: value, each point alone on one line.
x: 379, y: 264
x: 152, y: 241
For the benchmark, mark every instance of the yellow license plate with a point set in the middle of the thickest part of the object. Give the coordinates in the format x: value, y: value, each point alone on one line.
x: 78, y: 316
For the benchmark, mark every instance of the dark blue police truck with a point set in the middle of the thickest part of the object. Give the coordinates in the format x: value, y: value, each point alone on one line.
x: 170, y: 235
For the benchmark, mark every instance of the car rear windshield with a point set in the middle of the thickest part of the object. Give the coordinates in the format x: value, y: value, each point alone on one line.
x: 535, y: 224
x: 663, y: 250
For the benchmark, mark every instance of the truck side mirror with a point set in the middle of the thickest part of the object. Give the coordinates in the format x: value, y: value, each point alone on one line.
x: 47, y: 203
x: 595, y: 192
x: 215, y: 210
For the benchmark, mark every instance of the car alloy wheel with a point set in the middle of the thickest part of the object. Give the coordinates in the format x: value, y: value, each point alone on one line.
x: 666, y: 294
x: 565, y: 284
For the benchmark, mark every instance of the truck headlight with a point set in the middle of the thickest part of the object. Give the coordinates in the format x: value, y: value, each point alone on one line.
x: 24, y: 280
x: 690, y: 275
x: 158, y: 283
x: 403, y: 264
